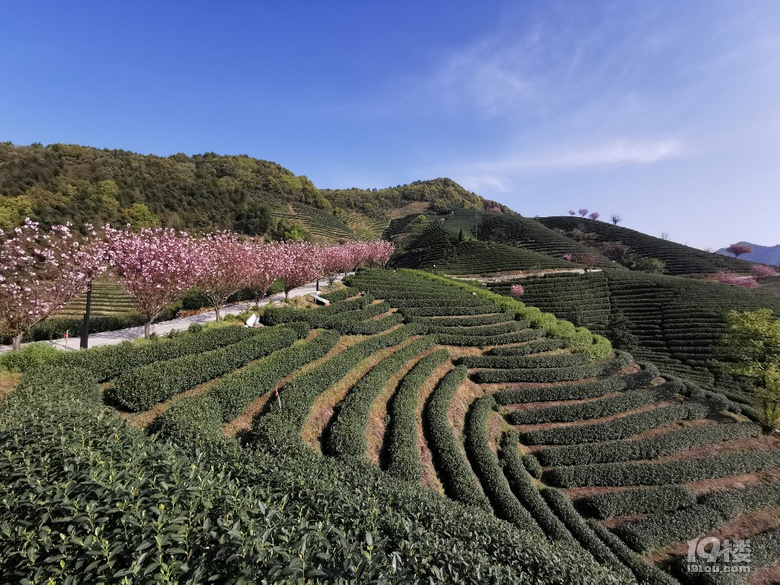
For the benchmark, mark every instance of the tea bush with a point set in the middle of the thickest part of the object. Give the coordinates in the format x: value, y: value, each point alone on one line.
x: 403, y: 452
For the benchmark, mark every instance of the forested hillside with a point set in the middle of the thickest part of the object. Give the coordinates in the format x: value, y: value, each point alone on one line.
x: 60, y: 182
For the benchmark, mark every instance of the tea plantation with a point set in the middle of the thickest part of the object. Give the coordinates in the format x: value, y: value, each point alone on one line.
x: 417, y: 429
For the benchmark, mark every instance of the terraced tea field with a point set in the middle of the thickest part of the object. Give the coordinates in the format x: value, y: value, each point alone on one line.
x: 491, y: 403
x: 677, y: 322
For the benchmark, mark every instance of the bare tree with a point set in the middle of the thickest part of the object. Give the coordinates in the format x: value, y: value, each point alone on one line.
x: 616, y: 219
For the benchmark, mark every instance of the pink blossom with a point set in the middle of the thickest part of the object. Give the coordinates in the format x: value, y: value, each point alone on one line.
x: 568, y: 257
x: 760, y: 271
x: 224, y: 266
x: 42, y: 271
x: 155, y: 266
x: 301, y: 264
x: 594, y: 216
x: 516, y: 291
x: 736, y: 280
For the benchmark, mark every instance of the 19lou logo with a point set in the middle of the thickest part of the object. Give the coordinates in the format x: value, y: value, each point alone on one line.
x: 712, y: 555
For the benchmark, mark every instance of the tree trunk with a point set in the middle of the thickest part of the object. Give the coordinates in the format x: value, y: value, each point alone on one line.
x: 16, y: 344
x: 216, y: 311
x: 147, y: 329
x: 317, y: 287
x: 85, y: 323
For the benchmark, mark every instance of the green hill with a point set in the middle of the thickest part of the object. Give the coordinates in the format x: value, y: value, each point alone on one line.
x: 678, y: 258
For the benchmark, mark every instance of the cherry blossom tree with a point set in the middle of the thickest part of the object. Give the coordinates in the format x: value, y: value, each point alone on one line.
x: 761, y: 271
x: 516, y: 291
x: 583, y: 212
x: 739, y: 249
x: 155, y: 266
x: 736, y: 280
x: 616, y: 219
x: 335, y: 259
x: 589, y: 260
x: 301, y: 263
x: 568, y: 257
x: 265, y: 267
x: 378, y: 253
x: 594, y: 216
x: 572, y: 212
x: 224, y: 266
x: 42, y: 271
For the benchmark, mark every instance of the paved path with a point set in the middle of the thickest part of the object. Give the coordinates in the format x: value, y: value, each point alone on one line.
x: 165, y: 327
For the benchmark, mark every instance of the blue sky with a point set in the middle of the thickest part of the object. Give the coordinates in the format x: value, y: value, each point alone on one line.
x: 664, y: 112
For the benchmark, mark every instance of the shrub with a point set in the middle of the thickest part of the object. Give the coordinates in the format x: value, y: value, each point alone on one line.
x: 644, y: 571
x: 404, y: 454
x: 347, y: 435
x: 453, y: 467
x: 489, y: 471
x: 532, y: 466
x: 764, y: 549
x: 651, y: 447
x: 199, y: 419
x: 561, y: 374
x: 105, y: 494
x: 279, y: 429
x: 565, y: 511
x: 577, y: 391
x: 601, y: 408
x: 649, y: 473
x: 110, y: 361
x: 142, y: 388
x: 713, y: 510
x: 528, y: 348
x: 619, y: 428
x: 526, y: 492
x: 483, y: 341
x: 556, y: 360
x: 28, y: 357
x: 648, y: 500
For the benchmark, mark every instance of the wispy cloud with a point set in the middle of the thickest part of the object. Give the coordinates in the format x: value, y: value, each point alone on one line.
x: 498, y: 175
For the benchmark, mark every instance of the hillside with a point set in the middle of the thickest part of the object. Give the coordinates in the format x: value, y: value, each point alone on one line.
x: 675, y: 322
x: 559, y: 459
x: 678, y: 259
x: 60, y: 182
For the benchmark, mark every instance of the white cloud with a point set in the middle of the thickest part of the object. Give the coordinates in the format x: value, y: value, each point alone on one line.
x: 609, y: 154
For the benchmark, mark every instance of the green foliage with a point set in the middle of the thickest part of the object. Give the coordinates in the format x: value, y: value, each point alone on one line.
x: 347, y: 438
x: 564, y: 510
x: 647, y: 500
x: 488, y: 469
x: 110, y: 505
x: 404, y: 453
x: 651, y: 447
x: 529, y: 348
x: 560, y: 374
x: 765, y: 550
x: 619, y: 428
x: 197, y: 420
x: 108, y: 362
x: 577, y: 391
x: 279, y: 430
x: 143, y: 387
x: 644, y: 571
x: 526, y: 492
x: 555, y: 360
x: 712, y: 510
x: 600, y: 408
x: 203, y: 192
x: 28, y: 357
x: 451, y: 463
x: 752, y: 348
x: 649, y: 473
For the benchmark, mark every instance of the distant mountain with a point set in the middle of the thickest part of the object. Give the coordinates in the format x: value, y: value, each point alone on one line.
x: 760, y: 254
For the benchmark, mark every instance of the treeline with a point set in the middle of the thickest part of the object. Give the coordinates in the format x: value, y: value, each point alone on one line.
x: 58, y: 183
